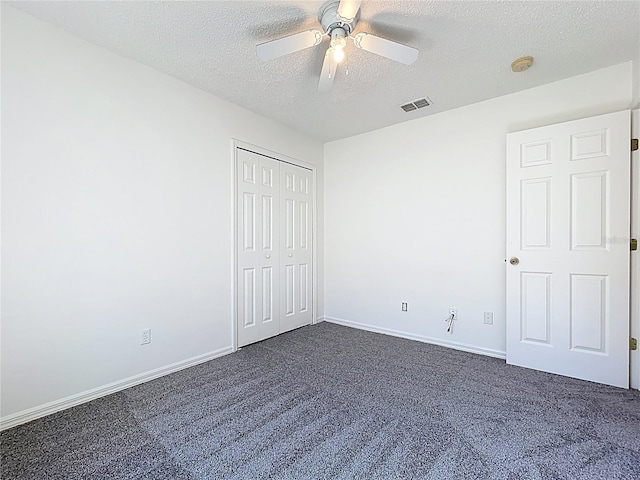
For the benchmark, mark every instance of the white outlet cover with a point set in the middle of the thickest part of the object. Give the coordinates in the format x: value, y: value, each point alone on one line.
x: 145, y: 336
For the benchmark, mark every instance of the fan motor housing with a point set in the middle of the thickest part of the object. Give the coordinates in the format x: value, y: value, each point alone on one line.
x: 329, y: 19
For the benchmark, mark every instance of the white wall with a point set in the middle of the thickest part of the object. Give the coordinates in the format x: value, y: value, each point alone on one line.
x: 116, y: 214
x: 636, y: 83
x: 415, y: 212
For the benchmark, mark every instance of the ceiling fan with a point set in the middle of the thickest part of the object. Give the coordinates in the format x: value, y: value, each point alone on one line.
x: 338, y: 19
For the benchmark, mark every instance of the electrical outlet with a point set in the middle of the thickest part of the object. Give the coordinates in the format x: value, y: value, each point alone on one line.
x: 488, y: 318
x: 404, y: 306
x: 454, y: 312
x: 145, y: 336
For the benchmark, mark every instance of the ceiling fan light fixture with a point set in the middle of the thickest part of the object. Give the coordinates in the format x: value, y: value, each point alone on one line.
x: 338, y: 42
x: 338, y: 37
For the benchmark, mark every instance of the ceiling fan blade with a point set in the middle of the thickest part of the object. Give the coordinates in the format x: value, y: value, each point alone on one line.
x: 285, y: 45
x: 348, y: 8
x: 386, y: 48
x: 329, y: 67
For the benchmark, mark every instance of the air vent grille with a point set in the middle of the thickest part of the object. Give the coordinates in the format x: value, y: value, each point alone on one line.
x: 416, y: 104
x: 421, y: 103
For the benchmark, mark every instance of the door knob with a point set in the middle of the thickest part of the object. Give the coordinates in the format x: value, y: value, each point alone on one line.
x: 514, y: 261
x: 267, y: 256
x: 291, y: 254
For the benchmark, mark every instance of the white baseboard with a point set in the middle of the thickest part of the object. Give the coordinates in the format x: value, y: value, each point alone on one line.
x: 421, y: 338
x: 30, y: 414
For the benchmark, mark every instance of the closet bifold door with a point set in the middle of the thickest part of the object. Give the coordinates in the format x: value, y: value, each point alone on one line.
x: 258, y: 230
x: 296, y: 202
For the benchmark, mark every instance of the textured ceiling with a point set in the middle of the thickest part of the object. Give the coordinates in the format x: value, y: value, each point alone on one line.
x: 466, y: 48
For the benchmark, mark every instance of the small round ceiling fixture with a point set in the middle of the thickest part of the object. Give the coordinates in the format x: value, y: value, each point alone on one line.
x: 521, y: 64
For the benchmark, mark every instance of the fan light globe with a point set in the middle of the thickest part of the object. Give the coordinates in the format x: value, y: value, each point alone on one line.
x: 338, y: 42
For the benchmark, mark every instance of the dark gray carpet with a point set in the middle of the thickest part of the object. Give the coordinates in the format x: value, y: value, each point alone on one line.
x: 328, y: 401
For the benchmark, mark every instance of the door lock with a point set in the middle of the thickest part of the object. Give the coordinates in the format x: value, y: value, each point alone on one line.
x: 514, y: 261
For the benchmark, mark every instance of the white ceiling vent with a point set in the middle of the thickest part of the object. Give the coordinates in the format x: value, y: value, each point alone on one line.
x: 416, y: 104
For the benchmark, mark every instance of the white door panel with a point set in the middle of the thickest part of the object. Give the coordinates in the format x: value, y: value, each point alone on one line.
x: 297, y: 197
x: 568, y: 216
x: 258, y: 258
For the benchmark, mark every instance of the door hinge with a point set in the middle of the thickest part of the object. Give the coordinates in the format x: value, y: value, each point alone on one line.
x: 633, y: 343
x: 634, y: 144
x: 634, y: 244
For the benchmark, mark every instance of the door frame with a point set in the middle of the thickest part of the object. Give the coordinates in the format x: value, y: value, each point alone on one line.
x: 634, y: 360
x: 235, y: 145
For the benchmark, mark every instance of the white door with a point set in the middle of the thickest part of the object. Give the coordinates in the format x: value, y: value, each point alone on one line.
x: 296, y: 223
x: 258, y: 274
x: 568, y: 200
x: 274, y: 246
